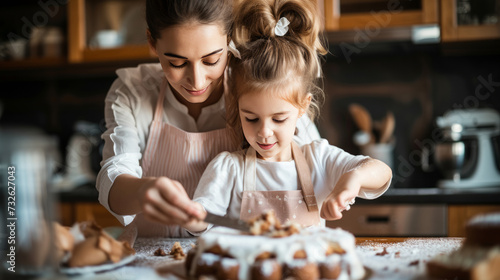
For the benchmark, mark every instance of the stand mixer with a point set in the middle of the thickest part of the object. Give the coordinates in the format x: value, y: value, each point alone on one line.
x: 468, y: 155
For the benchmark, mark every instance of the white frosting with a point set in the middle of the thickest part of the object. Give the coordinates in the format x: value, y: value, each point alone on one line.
x: 313, y: 240
x: 267, y: 268
x: 228, y: 263
x: 209, y: 259
x: 332, y: 261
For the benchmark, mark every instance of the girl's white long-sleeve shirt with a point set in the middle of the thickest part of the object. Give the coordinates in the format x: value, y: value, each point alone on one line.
x: 221, y: 185
x: 129, y: 110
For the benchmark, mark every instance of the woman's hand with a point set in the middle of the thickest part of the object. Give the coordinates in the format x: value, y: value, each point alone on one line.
x: 341, y: 198
x: 165, y: 201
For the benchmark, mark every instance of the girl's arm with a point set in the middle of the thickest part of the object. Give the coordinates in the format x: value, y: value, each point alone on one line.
x: 370, y: 175
x: 215, y: 189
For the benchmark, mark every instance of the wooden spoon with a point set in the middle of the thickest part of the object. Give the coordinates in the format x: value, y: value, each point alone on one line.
x: 387, y: 128
x: 362, y: 119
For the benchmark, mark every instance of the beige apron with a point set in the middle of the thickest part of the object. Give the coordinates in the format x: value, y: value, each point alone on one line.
x: 298, y: 206
x: 178, y: 155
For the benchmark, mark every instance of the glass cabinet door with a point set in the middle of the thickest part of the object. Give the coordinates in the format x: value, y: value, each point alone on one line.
x: 351, y: 14
x: 115, y: 23
x: 107, y: 30
x: 470, y: 12
x: 470, y: 20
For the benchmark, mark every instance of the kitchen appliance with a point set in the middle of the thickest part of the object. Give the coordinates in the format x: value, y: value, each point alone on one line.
x: 468, y: 153
x: 83, y: 155
x: 27, y: 159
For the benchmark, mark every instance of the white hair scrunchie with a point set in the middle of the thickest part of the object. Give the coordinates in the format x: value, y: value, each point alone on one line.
x: 281, y: 27
x: 232, y: 48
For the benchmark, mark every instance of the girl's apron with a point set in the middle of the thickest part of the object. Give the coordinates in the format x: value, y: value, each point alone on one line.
x: 298, y: 206
x: 178, y: 155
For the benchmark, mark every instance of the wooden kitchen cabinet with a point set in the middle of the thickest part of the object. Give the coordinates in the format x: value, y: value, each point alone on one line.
x: 458, y: 215
x: 70, y: 213
x: 373, y: 14
x: 106, y: 30
x: 452, y: 30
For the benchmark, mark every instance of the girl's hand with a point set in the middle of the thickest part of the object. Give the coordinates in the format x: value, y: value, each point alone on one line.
x: 342, y: 196
x: 165, y: 201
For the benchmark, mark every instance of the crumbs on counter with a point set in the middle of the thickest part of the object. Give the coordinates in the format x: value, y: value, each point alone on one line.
x: 160, y: 253
x: 415, y: 262
x: 383, y: 253
x: 177, y: 251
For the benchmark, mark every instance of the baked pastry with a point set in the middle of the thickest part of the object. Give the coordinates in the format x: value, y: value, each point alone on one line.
x: 97, y: 247
x: 483, y: 230
x: 87, y: 244
x: 64, y: 241
x: 478, y: 257
x: 277, y: 253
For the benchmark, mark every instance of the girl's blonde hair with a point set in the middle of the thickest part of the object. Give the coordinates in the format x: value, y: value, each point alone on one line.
x: 284, y: 65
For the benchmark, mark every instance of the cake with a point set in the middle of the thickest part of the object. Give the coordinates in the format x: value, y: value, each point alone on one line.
x: 275, y: 252
x: 478, y: 257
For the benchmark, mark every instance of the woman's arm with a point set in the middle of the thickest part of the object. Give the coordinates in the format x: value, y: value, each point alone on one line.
x: 122, y: 145
x: 122, y: 188
x: 159, y: 198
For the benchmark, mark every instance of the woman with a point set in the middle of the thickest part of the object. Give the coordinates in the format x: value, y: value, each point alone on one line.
x: 166, y: 121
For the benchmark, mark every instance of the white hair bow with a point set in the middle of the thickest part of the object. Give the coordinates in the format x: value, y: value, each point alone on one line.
x: 232, y: 48
x: 281, y: 27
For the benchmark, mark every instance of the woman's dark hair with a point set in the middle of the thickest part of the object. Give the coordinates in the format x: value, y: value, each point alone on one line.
x: 161, y: 14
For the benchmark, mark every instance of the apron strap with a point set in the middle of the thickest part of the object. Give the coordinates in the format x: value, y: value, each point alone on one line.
x: 304, y: 175
x: 249, y: 181
x: 159, y: 103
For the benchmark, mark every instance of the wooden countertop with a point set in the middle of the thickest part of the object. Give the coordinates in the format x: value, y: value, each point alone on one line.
x: 382, y: 240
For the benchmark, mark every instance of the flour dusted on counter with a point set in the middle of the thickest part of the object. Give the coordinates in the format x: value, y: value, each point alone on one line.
x: 403, y: 260
x: 146, y: 247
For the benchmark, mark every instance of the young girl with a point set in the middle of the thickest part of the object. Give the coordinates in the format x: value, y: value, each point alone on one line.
x: 165, y: 121
x: 272, y: 86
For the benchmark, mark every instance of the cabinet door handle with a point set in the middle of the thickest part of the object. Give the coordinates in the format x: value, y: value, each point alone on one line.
x: 378, y: 219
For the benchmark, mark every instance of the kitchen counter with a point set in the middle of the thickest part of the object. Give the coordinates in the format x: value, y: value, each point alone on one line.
x: 437, y: 196
x: 384, y: 258
x: 88, y: 193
